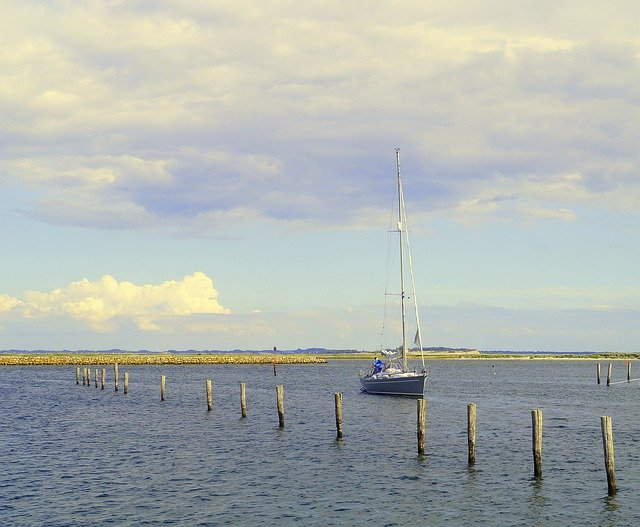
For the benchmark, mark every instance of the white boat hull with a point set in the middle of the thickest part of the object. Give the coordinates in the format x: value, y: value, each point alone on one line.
x: 402, y: 384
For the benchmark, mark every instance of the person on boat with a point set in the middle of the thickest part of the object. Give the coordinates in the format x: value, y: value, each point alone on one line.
x: 377, y: 366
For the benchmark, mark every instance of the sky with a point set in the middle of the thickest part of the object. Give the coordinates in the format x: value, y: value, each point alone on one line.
x: 220, y: 175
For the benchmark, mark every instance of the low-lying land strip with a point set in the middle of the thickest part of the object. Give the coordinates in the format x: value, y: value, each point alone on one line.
x: 140, y: 358
x: 480, y: 355
x: 44, y: 359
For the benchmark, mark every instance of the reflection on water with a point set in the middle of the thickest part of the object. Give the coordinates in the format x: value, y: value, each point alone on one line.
x: 74, y: 454
x: 538, y: 503
x: 610, y: 513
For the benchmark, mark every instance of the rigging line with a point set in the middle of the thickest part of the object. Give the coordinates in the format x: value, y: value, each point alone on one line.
x: 391, y: 331
x: 392, y: 253
x: 413, y: 285
x: 383, y: 330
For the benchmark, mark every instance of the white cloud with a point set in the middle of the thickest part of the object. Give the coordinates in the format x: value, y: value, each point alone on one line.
x: 7, y: 303
x: 536, y: 196
x: 184, y: 111
x: 106, y: 304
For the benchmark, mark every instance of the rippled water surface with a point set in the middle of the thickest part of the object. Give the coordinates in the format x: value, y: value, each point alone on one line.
x: 77, y: 455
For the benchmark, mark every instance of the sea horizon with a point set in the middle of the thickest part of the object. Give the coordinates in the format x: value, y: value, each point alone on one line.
x: 315, y: 350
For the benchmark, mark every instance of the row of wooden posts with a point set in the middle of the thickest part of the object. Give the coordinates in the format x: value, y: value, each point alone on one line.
x: 629, y: 379
x: 536, y: 440
x: 86, y: 377
x: 86, y: 381
x: 536, y: 421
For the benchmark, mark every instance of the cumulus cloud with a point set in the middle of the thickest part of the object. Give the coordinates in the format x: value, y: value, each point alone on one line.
x: 106, y: 304
x: 8, y: 303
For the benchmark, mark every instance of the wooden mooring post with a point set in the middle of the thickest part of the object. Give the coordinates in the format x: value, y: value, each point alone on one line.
x: 163, y: 382
x: 104, y: 377
x: 280, y: 397
x: 126, y: 381
x: 115, y: 373
x: 607, y: 443
x: 88, y: 376
x: 338, y: 405
x: 536, y: 440
x: 209, y: 395
x: 609, y: 375
x: 598, y: 373
x: 78, y: 375
x: 421, y: 424
x: 629, y: 371
x: 243, y: 400
x: 471, y: 432
x: 96, y: 377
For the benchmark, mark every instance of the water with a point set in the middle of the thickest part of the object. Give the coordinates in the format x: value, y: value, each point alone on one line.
x: 76, y: 455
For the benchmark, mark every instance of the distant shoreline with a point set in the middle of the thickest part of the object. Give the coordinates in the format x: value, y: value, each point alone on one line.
x: 43, y: 358
x: 55, y: 359
x: 480, y: 355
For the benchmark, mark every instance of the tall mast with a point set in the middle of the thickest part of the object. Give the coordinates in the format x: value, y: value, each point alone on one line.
x: 400, y: 229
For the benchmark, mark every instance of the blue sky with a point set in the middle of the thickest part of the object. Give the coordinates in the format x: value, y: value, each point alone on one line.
x: 199, y: 175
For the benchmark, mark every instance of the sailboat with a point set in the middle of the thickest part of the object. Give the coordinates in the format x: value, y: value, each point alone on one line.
x: 392, y: 374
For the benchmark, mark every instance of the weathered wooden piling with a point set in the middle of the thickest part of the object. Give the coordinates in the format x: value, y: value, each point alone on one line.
x: 88, y: 377
x: 115, y: 373
x: 274, y: 369
x: 471, y: 432
x: 243, y: 400
x: 96, y: 377
x: 536, y: 441
x: 209, y: 395
x: 609, y: 375
x: 280, y: 397
x: 84, y: 376
x: 598, y: 373
x: 338, y: 405
x: 126, y: 381
x: 607, y: 443
x: 104, y: 377
x: 78, y: 375
x: 163, y: 380
x: 629, y: 371
x: 422, y: 423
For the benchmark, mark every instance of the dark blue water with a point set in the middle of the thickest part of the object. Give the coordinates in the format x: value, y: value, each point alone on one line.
x: 77, y: 455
